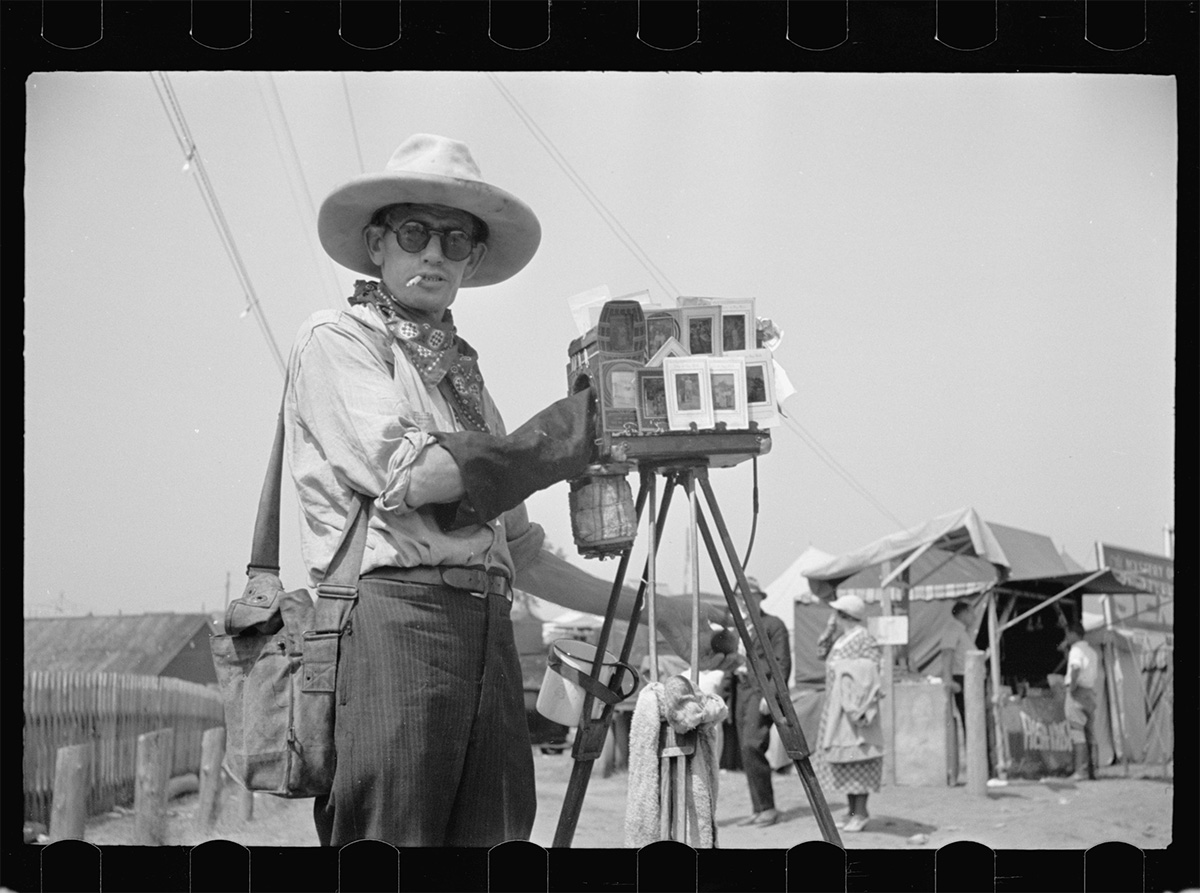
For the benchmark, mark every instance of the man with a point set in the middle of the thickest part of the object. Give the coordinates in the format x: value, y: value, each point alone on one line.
x: 385, y: 400
x: 1083, y: 667
x: 960, y: 642
x: 754, y: 716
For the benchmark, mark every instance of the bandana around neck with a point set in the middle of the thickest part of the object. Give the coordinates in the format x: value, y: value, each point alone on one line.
x: 441, y: 357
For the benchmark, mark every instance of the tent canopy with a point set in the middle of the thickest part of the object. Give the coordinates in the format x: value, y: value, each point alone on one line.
x: 961, y: 532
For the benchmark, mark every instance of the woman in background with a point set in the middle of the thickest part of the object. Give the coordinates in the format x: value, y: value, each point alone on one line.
x: 850, y: 738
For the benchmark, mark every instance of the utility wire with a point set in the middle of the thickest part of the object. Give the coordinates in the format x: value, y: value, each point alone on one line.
x: 362, y: 167
x: 610, y: 220
x: 193, y: 161
x: 827, y: 457
x: 661, y: 278
x: 311, y: 217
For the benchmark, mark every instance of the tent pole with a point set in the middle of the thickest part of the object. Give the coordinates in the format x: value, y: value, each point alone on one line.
x: 889, y: 686
x: 994, y: 652
x: 1113, y: 679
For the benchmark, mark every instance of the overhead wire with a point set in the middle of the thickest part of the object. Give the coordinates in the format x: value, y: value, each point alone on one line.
x: 327, y: 267
x: 626, y: 239
x: 362, y: 167
x: 194, y: 161
x: 608, y: 217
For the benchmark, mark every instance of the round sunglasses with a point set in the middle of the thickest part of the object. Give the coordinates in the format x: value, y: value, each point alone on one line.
x: 413, y: 236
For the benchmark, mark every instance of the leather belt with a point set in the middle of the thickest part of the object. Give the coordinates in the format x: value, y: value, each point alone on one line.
x: 475, y: 580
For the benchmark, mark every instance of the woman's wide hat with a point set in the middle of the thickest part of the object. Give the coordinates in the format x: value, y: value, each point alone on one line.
x: 850, y: 605
x: 430, y: 170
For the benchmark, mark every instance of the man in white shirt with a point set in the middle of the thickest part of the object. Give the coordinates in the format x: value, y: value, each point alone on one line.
x: 1083, y: 666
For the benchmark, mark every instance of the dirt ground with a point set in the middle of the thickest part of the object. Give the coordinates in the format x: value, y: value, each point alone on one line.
x: 1054, y: 814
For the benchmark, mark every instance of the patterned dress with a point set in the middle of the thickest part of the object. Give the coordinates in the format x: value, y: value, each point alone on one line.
x: 861, y: 776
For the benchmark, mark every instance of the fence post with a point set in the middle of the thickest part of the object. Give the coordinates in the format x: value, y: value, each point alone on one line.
x: 975, y: 723
x: 155, y: 751
x: 246, y: 804
x: 212, y: 752
x: 68, y: 811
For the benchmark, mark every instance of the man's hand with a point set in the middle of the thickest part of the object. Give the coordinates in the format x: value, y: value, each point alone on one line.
x: 674, y: 617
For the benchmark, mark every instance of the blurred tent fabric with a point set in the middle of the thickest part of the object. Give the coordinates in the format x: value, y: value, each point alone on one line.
x: 959, y: 557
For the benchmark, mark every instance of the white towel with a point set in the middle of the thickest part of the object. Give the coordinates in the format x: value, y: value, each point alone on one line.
x: 703, y: 712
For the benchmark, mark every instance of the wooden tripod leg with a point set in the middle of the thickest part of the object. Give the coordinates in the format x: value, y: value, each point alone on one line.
x: 771, y: 679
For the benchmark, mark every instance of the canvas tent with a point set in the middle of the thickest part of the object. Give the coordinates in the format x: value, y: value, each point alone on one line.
x: 1018, y: 577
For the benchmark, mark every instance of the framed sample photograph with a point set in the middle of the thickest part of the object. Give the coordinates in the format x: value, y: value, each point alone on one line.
x: 660, y: 326
x: 738, y: 326
x: 689, y: 394
x: 619, y: 395
x: 760, y: 387
x: 652, y: 401
x: 727, y: 381
x: 701, y: 330
x: 670, y: 348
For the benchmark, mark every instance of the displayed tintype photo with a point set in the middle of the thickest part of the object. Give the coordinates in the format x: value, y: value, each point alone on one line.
x: 689, y: 395
x: 702, y: 330
x: 727, y: 382
x: 661, y: 325
x: 760, y: 387
x: 737, y: 326
x: 652, y: 401
x: 619, y: 395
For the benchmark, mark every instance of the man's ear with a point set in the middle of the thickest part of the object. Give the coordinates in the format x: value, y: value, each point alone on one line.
x: 373, y: 239
x: 474, y: 260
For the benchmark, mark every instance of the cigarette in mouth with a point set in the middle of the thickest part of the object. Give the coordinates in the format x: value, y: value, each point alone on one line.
x: 411, y: 282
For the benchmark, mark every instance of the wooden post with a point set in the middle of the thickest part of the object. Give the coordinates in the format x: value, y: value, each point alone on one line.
x: 154, y: 756
x: 951, y: 731
x: 246, y: 804
x: 975, y: 723
x: 68, y: 812
x: 889, y: 690
x: 212, y: 752
x: 997, y: 705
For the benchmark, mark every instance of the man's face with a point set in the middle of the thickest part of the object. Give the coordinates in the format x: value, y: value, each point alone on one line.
x: 440, y: 277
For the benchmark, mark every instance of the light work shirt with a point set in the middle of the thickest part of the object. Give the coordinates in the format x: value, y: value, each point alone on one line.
x: 1082, y: 659
x: 960, y: 640
x: 357, y: 416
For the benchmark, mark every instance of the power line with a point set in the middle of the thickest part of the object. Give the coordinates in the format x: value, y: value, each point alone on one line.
x: 644, y: 259
x: 610, y: 220
x: 362, y: 167
x: 308, y: 221
x: 827, y: 457
x: 193, y: 161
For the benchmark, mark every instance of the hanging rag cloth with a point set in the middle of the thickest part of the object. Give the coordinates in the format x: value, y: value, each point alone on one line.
x: 684, y: 709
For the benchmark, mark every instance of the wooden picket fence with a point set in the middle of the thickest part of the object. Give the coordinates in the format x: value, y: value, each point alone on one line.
x: 109, y: 711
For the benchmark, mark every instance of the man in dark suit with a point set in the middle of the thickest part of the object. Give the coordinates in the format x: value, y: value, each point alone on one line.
x: 754, y: 716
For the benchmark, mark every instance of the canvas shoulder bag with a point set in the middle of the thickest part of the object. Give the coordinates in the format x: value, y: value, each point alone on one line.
x: 276, y: 662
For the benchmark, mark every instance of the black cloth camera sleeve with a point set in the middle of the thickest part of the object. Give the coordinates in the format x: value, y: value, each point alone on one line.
x: 500, y: 471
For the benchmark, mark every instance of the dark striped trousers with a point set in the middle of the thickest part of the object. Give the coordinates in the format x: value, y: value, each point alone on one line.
x: 433, y: 747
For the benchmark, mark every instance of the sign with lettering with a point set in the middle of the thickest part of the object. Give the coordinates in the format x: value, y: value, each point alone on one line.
x: 1039, y: 742
x: 1154, y: 575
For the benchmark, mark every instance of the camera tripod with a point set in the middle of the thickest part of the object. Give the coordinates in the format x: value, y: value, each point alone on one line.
x: 688, y: 471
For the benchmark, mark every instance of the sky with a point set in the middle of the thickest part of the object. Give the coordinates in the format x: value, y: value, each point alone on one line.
x: 974, y: 275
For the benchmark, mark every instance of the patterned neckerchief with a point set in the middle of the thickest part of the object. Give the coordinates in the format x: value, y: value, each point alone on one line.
x: 441, y: 357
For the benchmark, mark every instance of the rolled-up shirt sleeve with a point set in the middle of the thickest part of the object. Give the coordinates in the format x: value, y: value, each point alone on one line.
x: 349, y: 405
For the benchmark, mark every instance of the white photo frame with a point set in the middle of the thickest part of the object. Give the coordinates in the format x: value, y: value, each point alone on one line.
x: 739, y: 328
x: 670, y: 348
x: 727, y: 382
x: 701, y: 327
x: 760, y: 387
x: 689, y: 394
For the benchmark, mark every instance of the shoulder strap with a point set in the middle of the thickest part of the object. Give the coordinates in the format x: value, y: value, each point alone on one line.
x: 340, y: 587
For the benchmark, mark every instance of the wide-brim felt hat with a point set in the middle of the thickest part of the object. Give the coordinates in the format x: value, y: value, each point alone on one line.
x: 430, y: 170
